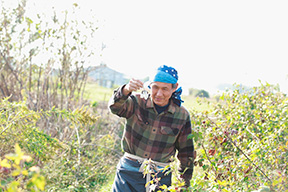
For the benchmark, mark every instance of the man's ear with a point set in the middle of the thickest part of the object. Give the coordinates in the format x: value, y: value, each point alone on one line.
x: 175, y: 87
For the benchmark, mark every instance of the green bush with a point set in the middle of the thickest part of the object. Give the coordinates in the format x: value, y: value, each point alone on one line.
x: 81, y: 169
x: 79, y: 157
x: 242, y: 142
x: 46, y: 110
x: 16, y: 175
x: 19, y: 125
x: 202, y: 93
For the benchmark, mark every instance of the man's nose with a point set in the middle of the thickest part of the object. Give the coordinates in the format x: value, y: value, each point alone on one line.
x: 159, y: 93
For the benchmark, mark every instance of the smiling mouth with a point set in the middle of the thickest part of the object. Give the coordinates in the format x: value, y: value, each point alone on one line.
x: 158, y: 99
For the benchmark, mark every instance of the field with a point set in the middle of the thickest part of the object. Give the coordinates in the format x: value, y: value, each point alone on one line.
x: 99, y: 94
x: 94, y: 92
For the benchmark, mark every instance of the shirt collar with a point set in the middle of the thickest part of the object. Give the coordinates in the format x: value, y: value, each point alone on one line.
x: 171, y: 108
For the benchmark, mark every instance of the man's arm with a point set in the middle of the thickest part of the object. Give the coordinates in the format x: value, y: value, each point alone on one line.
x: 133, y: 85
x: 185, y: 149
x: 120, y: 103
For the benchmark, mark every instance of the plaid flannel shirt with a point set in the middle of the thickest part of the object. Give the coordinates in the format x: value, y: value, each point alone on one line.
x: 151, y: 135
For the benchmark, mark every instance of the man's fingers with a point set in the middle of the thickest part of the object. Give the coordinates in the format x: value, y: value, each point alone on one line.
x: 132, y: 87
x: 135, y: 84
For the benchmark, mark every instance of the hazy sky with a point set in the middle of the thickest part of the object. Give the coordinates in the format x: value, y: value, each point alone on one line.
x: 209, y: 42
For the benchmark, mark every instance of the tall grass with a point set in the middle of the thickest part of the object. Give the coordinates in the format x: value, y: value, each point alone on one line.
x: 94, y: 92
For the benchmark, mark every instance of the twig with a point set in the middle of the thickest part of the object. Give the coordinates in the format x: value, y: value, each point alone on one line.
x: 242, y: 152
x: 208, y: 156
x: 257, y: 167
x: 6, y: 87
x: 10, y: 67
x: 6, y: 126
x: 78, y: 149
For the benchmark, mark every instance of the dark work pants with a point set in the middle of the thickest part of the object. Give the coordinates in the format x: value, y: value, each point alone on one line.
x: 129, y: 179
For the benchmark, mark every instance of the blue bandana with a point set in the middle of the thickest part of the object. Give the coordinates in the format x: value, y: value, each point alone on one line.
x: 176, y: 97
x: 167, y: 74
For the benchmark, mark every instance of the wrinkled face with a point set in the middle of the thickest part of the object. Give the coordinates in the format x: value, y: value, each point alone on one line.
x: 161, y: 92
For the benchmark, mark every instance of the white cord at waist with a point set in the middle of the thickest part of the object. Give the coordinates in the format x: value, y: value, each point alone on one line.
x: 141, y: 160
x: 151, y: 164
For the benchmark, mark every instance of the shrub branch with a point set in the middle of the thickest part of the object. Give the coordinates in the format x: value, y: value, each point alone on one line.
x: 257, y: 167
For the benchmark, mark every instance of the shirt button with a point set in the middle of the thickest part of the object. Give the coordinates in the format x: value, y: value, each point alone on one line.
x: 145, y: 154
x: 154, y: 130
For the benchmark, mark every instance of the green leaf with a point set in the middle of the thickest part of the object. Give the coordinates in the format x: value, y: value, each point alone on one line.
x: 205, y: 167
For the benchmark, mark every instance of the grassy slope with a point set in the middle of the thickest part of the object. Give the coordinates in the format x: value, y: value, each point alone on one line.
x: 96, y: 93
x: 198, y: 104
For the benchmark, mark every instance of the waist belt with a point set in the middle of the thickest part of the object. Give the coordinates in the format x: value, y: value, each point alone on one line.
x: 150, y: 165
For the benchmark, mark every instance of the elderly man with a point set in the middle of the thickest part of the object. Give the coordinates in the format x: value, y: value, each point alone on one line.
x: 156, y: 128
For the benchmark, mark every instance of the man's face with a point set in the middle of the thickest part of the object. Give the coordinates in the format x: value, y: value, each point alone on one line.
x: 161, y: 92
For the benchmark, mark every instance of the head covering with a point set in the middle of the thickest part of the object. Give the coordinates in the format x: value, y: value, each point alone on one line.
x: 167, y: 74
x: 176, y: 97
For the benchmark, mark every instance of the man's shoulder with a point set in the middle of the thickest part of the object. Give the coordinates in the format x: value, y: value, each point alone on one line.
x: 182, y: 110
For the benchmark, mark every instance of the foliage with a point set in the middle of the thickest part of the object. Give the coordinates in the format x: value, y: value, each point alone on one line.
x: 44, y: 109
x: 19, y: 125
x: 85, y: 164
x: 43, y: 57
x: 198, y: 93
x: 16, y: 174
x: 155, y: 183
x: 242, y: 142
x: 202, y: 93
x: 81, y: 159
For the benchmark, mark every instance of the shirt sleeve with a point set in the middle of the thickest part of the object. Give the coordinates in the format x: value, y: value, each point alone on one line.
x: 121, y: 104
x: 185, y: 149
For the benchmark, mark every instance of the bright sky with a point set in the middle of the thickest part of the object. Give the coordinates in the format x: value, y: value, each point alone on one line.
x: 209, y: 42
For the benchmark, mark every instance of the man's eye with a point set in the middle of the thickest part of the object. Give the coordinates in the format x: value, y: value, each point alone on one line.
x: 155, y: 88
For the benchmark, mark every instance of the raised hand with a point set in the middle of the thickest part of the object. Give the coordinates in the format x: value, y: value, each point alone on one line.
x: 133, y: 85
